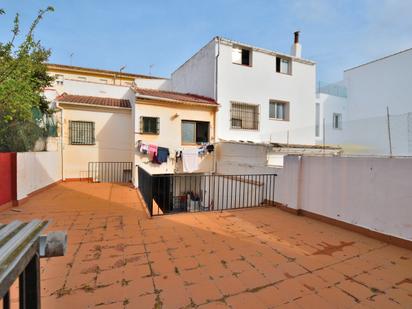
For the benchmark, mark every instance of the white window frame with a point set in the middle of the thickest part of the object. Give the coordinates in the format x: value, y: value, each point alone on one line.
x: 237, y: 55
x: 286, y: 109
x: 283, y: 59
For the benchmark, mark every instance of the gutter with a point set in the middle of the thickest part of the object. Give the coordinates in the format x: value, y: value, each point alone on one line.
x: 215, y: 105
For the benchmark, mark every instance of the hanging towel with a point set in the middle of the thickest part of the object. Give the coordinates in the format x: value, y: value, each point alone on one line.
x: 152, y: 151
x: 190, y: 160
x: 161, y: 156
x: 144, y: 148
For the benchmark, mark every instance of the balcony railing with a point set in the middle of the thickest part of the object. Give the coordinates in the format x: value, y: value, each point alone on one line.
x: 331, y: 89
x: 174, y: 193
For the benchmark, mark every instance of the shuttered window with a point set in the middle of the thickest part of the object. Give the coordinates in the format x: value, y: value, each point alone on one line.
x: 81, y: 133
x: 149, y: 125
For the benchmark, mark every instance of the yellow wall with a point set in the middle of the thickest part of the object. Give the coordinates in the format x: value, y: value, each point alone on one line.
x: 113, y: 135
x: 171, y: 116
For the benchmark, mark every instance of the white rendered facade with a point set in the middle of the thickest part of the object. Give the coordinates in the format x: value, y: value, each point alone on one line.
x: 371, y: 89
x: 212, y: 72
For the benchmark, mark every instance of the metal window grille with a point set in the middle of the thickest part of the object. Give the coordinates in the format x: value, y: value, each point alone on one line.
x: 149, y: 125
x: 81, y: 133
x: 244, y: 116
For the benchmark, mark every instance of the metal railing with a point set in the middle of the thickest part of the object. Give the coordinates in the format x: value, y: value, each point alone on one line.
x: 331, y: 89
x: 21, y: 247
x: 119, y: 172
x: 174, y: 193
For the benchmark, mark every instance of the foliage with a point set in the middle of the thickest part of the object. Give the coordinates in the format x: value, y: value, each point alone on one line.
x: 23, y: 77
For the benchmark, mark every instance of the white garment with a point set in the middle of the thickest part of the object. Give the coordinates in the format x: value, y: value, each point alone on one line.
x: 190, y: 160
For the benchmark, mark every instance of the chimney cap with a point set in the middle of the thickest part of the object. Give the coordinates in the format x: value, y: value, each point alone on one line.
x: 296, y: 33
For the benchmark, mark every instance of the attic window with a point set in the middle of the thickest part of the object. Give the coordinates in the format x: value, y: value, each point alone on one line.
x: 241, y: 55
x: 283, y: 65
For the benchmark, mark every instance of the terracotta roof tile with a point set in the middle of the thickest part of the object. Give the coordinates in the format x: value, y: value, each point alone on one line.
x: 101, y: 101
x: 177, y: 96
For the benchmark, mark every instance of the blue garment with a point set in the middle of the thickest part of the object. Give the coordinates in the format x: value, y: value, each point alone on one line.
x: 161, y: 156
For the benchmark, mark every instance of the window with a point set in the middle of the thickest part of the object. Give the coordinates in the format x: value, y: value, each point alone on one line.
x: 81, y: 133
x: 149, y: 125
x: 242, y: 56
x: 244, y: 116
x: 195, y: 132
x: 102, y: 80
x: 279, y: 110
x: 317, y: 120
x: 81, y: 77
x: 59, y: 79
x: 283, y: 65
x: 337, y: 121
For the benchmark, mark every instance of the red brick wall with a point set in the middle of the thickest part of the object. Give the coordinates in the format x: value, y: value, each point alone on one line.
x: 8, y: 190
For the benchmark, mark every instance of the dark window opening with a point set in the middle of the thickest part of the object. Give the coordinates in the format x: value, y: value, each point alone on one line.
x: 81, y: 133
x: 195, y: 132
x: 149, y: 125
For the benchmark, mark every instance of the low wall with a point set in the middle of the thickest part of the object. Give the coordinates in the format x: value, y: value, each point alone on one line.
x: 36, y: 170
x: 7, y: 177
x: 368, y: 192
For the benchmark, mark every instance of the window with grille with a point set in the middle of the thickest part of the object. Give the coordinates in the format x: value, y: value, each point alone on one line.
x: 244, y: 116
x: 81, y: 133
x: 279, y: 110
x: 149, y: 125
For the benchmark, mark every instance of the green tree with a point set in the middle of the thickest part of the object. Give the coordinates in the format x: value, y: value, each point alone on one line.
x: 23, y: 77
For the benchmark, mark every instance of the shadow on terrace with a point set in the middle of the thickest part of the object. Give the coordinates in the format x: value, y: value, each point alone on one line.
x: 258, y: 257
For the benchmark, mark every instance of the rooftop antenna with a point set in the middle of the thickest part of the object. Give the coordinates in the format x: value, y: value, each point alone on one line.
x: 120, y: 73
x: 71, y: 58
x: 150, y: 69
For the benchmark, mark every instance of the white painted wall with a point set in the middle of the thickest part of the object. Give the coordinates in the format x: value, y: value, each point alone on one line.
x: 113, y: 135
x: 371, y: 88
x: 160, y: 83
x: 258, y: 85
x: 330, y: 104
x: 255, y: 85
x: 197, y: 74
x: 36, y: 170
x: 374, y: 193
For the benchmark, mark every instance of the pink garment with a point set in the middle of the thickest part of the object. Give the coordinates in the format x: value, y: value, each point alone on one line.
x: 152, y: 151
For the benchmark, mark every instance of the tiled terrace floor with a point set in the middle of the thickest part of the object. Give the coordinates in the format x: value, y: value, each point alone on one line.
x: 253, y: 258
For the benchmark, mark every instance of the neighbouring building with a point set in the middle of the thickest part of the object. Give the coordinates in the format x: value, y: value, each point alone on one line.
x: 358, y: 119
x: 264, y: 96
x: 173, y: 121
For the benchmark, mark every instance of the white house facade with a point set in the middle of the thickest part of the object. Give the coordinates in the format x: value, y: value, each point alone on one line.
x: 359, y: 122
x: 264, y: 96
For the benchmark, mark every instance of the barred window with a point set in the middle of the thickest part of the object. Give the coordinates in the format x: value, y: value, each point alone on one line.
x: 81, y: 133
x: 149, y: 125
x: 244, y: 116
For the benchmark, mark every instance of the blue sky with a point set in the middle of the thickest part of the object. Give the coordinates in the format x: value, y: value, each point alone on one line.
x: 109, y: 34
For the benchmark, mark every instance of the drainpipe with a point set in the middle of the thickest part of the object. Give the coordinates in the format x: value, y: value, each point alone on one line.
x: 214, y: 114
x: 61, y: 140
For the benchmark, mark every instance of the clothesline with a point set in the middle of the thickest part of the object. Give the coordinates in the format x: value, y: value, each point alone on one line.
x: 189, y: 156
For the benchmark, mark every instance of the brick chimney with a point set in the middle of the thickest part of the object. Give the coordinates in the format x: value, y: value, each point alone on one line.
x: 296, y: 50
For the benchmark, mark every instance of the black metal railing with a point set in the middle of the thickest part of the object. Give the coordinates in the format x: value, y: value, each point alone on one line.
x: 172, y: 193
x: 120, y: 172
